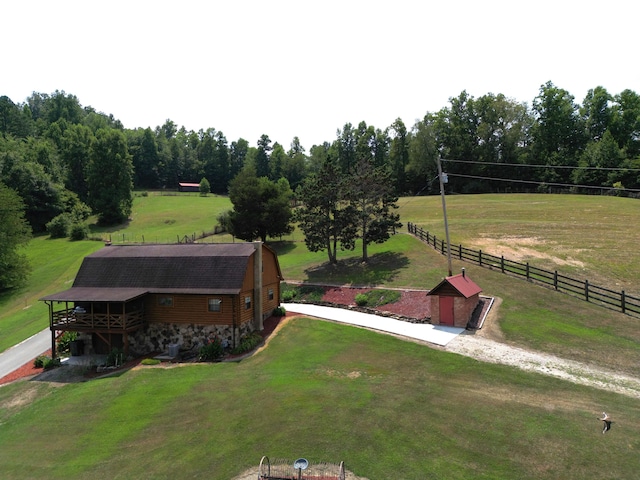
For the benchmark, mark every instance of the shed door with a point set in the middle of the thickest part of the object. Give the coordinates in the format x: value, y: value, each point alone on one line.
x: 446, y: 311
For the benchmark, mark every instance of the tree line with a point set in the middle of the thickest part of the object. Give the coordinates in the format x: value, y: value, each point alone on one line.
x: 65, y: 161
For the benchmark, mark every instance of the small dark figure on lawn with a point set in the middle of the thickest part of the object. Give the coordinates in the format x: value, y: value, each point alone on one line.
x: 606, y: 421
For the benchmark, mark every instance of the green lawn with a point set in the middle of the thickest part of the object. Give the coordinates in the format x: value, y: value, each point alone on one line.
x: 388, y: 408
x: 158, y: 218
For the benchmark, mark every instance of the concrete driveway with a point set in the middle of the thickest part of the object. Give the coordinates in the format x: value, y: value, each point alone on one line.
x: 435, y: 334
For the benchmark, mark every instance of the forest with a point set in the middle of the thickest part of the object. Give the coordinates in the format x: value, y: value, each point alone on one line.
x: 65, y: 158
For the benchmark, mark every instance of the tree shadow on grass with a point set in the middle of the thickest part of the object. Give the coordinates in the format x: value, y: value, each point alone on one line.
x: 381, y: 268
x: 282, y: 247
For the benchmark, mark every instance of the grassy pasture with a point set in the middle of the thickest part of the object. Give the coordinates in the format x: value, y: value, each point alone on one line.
x: 586, y: 237
x: 388, y: 408
x: 160, y: 218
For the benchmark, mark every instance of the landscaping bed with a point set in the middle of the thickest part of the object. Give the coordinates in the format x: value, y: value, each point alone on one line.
x: 412, y: 305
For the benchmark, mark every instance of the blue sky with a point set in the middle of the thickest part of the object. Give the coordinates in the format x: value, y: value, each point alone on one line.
x: 305, y: 68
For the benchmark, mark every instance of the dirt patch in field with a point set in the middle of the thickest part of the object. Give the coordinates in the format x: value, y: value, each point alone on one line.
x: 521, y: 249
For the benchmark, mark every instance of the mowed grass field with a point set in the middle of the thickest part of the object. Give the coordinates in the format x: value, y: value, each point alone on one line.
x: 388, y: 408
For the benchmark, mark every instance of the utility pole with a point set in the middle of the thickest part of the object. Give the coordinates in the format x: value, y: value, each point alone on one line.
x: 444, y: 179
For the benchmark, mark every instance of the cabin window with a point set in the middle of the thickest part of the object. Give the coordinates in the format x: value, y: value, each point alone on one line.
x: 215, y: 305
x: 271, y: 294
x: 247, y: 303
x: 165, y: 301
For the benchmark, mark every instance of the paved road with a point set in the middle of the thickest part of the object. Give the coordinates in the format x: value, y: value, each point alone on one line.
x: 24, y: 352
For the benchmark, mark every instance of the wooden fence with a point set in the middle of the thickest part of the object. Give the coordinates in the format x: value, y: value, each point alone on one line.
x: 605, y: 297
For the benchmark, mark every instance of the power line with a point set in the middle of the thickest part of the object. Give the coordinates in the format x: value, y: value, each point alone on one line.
x: 534, y: 182
x: 541, y: 166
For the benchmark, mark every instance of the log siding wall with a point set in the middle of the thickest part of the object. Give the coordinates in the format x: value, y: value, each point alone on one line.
x: 189, y: 309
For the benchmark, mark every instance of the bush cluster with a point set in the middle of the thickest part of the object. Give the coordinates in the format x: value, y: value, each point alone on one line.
x: 45, y: 362
x: 248, y: 343
x: 79, y: 231
x: 288, y: 294
x: 377, y: 297
x: 213, y: 350
x: 304, y: 293
x: 361, y: 299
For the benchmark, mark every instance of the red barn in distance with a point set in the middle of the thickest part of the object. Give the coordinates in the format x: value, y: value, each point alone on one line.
x: 188, y: 187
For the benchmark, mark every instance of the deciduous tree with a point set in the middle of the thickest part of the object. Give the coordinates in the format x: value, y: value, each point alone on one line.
x: 558, y: 134
x: 110, y: 177
x: 14, y: 233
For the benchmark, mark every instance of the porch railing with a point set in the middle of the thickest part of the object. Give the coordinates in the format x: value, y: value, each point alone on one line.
x: 74, y: 321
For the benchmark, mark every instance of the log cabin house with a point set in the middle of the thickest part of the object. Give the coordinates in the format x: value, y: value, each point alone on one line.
x: 144, y: 298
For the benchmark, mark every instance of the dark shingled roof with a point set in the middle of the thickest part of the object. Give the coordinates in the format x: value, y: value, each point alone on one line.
x: 118, y: 273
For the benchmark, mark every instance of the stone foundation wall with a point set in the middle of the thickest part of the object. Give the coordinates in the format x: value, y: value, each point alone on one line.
x: 156, y: 337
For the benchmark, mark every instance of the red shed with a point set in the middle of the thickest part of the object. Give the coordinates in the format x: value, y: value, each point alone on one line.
x: 453, y: 300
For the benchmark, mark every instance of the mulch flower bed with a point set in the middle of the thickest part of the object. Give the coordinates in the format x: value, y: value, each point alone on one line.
x: 412, y: 303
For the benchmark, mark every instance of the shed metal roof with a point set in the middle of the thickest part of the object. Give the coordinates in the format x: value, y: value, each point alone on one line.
x: 461, y: 283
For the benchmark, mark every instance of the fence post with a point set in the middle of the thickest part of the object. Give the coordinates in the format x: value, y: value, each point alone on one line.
x: 623, y: 302
x: 586, y: 290
x: 480, y: 257
x: 442, y: 247
x: 460, y: 251
x: 502, y: 263
x: 555, y: 279
x: 527, y: 270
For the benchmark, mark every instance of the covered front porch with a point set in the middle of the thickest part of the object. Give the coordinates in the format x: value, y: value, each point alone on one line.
x: 107, y: 316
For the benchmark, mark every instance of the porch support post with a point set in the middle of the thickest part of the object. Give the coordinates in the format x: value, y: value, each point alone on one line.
x: 125, y: 332
x: 53, y: 332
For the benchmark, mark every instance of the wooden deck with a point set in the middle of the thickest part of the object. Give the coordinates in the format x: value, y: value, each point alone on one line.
x: 73, y: 321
